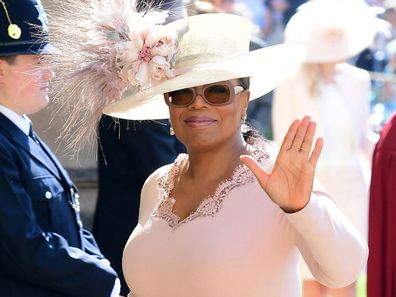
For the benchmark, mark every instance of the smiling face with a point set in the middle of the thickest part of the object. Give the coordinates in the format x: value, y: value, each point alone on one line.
x: 24, y: 84
x: 201, y: 126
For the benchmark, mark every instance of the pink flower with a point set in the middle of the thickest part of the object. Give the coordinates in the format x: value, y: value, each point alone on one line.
x: 160, y: 68
x: 144, y: 59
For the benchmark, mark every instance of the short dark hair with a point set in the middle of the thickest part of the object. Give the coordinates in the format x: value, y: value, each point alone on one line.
x: 244, y: 82
x: 9, y: 59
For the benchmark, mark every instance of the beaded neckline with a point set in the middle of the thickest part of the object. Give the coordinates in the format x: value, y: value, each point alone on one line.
x: 210, y: 205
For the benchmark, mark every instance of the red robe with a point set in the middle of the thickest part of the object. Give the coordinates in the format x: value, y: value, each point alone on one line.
x: 381, y: 269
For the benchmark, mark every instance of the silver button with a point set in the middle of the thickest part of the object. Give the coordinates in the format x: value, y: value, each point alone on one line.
x: 48, y: 195
x: 105, y: 262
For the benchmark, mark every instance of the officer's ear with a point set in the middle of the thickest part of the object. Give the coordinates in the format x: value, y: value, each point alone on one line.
x: 2, y: 69
x: 5, y: 64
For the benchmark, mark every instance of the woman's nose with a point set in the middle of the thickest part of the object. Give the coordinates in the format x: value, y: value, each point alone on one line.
x: 198, y: 102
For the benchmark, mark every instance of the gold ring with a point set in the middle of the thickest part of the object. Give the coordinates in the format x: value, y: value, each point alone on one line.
x: 304, y: 149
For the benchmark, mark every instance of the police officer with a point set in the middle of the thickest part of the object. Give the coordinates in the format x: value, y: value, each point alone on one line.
x: 44, y: 251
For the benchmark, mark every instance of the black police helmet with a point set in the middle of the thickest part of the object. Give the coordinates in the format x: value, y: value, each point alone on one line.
x: 23, y: 28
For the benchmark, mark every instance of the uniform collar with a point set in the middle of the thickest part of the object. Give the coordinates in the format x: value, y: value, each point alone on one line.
x: 22, y: 122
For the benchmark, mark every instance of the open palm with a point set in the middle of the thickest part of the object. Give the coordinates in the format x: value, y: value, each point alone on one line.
x: 290, y: 182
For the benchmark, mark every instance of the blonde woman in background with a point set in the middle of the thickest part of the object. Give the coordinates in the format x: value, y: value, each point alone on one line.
x: 336, y: 95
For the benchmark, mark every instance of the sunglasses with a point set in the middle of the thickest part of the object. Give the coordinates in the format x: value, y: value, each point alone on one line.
x: 214, y: 94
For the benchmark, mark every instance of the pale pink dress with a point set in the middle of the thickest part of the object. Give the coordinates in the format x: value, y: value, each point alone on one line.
x: 238, y: 243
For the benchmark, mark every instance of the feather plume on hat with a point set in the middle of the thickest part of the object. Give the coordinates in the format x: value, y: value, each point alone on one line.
x: 112, y: 48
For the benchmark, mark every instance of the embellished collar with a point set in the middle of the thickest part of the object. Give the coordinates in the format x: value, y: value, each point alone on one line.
x: 210, y: 205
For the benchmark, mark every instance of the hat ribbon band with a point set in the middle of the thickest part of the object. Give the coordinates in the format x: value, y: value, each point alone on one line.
x: 205, y: 62
x: 181, y: 70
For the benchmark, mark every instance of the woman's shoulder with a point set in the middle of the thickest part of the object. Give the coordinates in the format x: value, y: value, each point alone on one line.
x: 152, y: 191
x: 164, y: 171
x: 351, y: 71
x: 161, y: 171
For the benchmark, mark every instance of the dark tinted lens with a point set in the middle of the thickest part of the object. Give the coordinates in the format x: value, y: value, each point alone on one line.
x: 180, y: 97
x: 217, y: 94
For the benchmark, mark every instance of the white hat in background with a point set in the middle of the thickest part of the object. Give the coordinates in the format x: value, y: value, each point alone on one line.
x: 334, y: 30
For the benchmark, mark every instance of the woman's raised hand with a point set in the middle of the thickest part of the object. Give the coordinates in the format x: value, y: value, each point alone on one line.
x: 290, y: 182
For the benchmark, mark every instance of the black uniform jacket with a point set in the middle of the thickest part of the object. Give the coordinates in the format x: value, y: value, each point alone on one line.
x: 43, y: 249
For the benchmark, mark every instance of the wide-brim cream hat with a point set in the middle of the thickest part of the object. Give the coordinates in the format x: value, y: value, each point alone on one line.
x: 214, y: 48
x: 334, y: 30
x: 120, y: 60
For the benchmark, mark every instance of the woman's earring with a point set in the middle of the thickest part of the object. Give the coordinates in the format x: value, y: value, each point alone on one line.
x: 171, y: 131
x: 244, y: 127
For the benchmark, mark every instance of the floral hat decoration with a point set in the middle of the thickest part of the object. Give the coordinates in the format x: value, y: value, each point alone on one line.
x: 119, y: 61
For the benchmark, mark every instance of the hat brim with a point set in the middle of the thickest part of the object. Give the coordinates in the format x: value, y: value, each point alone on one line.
x: 266, y: 67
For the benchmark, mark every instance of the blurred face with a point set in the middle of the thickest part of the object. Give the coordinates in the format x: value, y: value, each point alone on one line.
x: 390, y: 16
x: 24, y: 84
x: 208, y: 116
x: 279, y: 5
x: 223, y: 5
